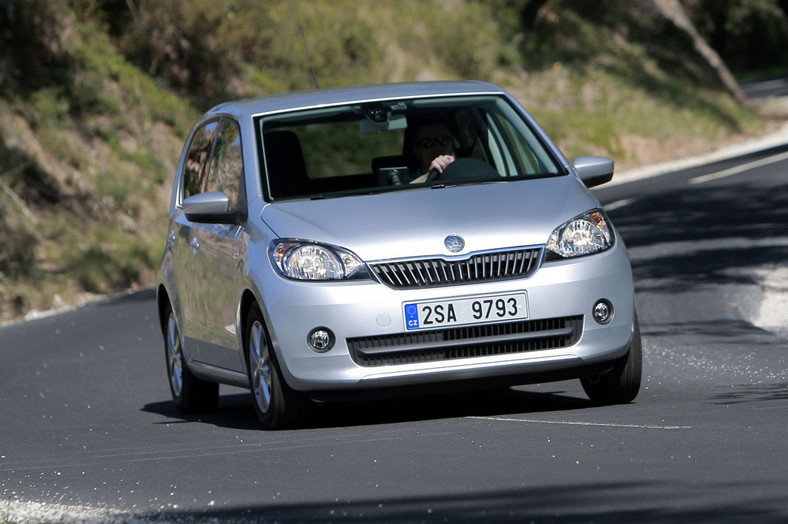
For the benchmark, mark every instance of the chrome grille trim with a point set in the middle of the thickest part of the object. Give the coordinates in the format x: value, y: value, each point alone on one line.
x: 466, y: 342
x: 481, y: 267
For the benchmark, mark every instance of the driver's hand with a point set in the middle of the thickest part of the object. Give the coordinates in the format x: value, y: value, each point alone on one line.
x: 441, y: 162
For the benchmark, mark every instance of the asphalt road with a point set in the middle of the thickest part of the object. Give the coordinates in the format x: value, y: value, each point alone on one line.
x: 763, y: 88
x: 88, y: 432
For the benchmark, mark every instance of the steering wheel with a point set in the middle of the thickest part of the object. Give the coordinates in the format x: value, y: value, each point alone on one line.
x: 464, y: 170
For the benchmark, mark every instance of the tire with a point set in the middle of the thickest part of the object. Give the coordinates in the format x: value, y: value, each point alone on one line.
x: 190, y: 394
x: 619, y: 385
x: 276, y: 404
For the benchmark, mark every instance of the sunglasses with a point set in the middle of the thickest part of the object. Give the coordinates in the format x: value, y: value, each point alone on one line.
x: 429, y: 142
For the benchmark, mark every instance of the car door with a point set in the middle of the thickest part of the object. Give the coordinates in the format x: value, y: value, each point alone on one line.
x: 219, y: 256
x: 183, y: 238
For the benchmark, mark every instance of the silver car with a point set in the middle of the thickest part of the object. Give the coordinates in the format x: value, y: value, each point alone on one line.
x: 389, y: 239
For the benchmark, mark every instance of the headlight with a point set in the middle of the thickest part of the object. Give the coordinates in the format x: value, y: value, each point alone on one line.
x: 584, y: 235
x: 311, y: 261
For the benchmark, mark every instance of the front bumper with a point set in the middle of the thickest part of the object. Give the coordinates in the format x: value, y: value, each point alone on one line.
x: 367, y: 318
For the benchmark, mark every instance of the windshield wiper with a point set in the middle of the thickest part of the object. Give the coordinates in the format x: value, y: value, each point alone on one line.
x: 365, y: 191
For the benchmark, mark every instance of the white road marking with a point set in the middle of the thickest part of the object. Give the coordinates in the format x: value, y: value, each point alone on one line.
x: 577, y: 423
x: 618, y: 204
x: 739, y: 169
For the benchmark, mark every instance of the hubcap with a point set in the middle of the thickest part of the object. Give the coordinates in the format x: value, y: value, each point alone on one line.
x: 174, y: 356
x: 260, y: 367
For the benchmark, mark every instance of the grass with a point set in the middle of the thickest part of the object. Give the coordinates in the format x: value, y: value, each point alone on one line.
x: 586, y: 119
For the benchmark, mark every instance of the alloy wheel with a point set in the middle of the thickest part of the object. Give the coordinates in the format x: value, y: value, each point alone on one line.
x: 260, y: 366
x: 174, y: 356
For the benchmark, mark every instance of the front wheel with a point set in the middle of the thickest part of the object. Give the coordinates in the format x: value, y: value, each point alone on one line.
x: 190, y: 394
x: 620, y: 384
x: 277, y: 405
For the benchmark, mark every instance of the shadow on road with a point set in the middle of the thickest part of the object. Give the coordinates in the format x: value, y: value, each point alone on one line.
x: 725, y: 230
x: 482, y: 403
x: 742, y: 393
x: 235, y: 411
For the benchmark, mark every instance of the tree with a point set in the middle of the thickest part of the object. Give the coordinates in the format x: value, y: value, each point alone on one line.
x: 674, y: 11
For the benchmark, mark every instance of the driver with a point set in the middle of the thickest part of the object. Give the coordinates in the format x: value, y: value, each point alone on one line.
x: 433, y: 148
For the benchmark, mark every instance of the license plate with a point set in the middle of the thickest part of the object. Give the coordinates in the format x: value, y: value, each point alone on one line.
x: 465, y: 310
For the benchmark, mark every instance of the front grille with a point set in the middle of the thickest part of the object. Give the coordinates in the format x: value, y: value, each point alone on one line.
x: 466, y: 342
x: 434, y: 272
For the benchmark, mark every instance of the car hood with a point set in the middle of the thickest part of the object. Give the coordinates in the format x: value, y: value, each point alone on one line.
x: 414, y: 223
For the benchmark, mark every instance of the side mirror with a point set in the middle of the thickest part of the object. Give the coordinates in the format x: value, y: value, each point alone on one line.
x: 211, y: 207
x: 594, y: 170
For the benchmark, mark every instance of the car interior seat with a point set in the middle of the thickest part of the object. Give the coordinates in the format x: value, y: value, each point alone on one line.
x: 284, y: 162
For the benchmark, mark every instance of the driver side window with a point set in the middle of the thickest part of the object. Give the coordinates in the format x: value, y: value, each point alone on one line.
x: 225, y: 172
x: 195, y: 166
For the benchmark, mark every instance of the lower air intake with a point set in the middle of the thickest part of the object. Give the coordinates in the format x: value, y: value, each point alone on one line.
x: 466, y: 342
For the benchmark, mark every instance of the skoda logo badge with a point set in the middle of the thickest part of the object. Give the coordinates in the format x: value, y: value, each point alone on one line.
x: 454, y: 243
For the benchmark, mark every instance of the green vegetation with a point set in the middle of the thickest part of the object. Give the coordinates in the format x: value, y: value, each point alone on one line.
x: 97, y: 97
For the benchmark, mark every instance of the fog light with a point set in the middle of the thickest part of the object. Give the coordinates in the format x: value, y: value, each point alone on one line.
x: 320, y: 339
x: 603, y: 311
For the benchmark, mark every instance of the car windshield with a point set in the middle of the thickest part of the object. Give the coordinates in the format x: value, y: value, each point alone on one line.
x: 381, y: 146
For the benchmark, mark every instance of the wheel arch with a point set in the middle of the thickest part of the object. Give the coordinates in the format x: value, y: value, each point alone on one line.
x: 162, y: 301
x: 248, y: 299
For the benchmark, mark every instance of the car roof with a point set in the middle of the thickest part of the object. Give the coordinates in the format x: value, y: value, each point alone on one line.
x: 347, y: 95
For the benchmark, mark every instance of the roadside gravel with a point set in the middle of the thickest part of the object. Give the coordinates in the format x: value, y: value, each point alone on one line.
x: 24, y: 512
